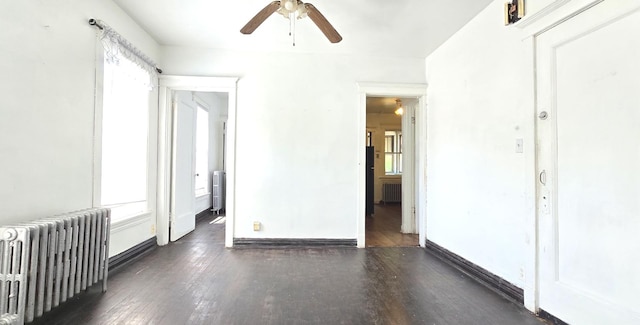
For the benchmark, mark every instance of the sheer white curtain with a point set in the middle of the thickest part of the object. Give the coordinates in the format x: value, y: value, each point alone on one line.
x: 129, y: 78
x: 117, y: 48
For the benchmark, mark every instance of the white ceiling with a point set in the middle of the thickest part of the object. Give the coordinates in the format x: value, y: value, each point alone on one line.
x: 404, y: 28
x: 383, y: 105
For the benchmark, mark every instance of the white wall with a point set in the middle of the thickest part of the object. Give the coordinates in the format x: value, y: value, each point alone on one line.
x: 378, y: 124
x: 479, y: 191
x: 297, y: 117
x: 47, y: 63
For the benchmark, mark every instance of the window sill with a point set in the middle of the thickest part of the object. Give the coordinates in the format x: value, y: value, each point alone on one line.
x: 129, y: 221
x: 391, y: 176
x: 199, y: 196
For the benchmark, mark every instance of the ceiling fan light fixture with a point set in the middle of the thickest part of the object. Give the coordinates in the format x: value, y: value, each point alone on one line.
x: 301, y: 12
x: 291, y: 5
x: 292, y: 9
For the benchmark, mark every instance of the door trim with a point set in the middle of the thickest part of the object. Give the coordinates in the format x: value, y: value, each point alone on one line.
x: 418, y: 91
x: 167, y: 84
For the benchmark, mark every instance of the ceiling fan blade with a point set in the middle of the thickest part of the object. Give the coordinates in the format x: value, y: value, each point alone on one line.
x: 260, y: 17
x: 322, y: 23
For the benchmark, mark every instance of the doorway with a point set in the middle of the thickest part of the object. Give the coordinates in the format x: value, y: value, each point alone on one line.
x: 169, y: 85
x: 389, y: 155
x: 197, y: 157
x: 402, y: 159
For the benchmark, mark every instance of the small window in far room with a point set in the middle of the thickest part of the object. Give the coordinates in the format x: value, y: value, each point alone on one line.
x: 393, y: 152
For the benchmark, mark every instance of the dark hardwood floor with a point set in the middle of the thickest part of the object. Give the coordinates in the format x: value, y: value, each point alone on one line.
x: 197, y: 281
x: 383, y: 228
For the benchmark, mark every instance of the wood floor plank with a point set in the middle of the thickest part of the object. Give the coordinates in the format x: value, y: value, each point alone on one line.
x: 383, y: 228
x: 198, y: 281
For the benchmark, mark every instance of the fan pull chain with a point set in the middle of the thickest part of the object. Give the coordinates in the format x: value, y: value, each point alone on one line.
x: 292, y: 27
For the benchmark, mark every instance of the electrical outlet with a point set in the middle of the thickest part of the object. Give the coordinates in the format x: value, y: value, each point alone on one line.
x: 153, y: 229
x: 256, y: 226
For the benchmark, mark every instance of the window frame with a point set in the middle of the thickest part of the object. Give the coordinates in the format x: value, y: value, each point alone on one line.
x: 395, y: 153
x: 129, y: 212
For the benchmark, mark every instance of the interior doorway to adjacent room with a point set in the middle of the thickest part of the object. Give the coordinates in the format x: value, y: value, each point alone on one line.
x: 172, y: 202
x: 389, y: 155
x: 197, y: 168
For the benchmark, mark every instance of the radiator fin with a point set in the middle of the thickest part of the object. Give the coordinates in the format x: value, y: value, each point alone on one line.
x: 48, y: 261
x: 391, y: 193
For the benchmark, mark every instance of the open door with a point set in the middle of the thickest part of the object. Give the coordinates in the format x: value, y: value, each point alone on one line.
x: 370, y: 180
x: 408, y: 170
x: 183, y: 215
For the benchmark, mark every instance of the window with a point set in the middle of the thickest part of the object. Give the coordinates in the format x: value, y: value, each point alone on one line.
x: 202, y: 152
x: 392, y: 152
x: 124, y: 138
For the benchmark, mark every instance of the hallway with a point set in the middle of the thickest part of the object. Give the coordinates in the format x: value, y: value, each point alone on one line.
x: 383, y: 228
x: 198, y: 281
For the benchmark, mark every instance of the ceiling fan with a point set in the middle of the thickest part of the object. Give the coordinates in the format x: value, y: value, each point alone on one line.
x: 292, y: 10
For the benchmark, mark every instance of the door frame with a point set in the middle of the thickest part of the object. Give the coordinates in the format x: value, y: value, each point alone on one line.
x: 168, y: 84
x: 418, y: 91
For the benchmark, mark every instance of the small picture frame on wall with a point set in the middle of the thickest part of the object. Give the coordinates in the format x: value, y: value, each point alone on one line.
x: 513, y: 11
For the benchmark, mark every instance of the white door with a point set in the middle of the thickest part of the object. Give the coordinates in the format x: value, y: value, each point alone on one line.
x: 408, y: 170
x: 183, y: 216
x: 588, y: 85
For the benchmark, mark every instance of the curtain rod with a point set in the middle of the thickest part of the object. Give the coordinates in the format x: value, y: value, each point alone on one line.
x: 95, y: 22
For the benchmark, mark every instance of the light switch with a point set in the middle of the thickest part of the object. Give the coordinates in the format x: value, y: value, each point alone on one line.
x: 519, y: 146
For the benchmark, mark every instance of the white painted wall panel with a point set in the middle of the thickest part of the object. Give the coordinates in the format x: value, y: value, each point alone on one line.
x: 479, y: 200
x: 297, y: 168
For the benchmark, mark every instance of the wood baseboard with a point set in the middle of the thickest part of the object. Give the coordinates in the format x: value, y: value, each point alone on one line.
x: 132, y: 254
x: 553, y: 319
x: 293, y: 242
x: 478, y: 273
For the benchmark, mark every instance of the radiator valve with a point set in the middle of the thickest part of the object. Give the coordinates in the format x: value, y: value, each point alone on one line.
x: 10, y: 234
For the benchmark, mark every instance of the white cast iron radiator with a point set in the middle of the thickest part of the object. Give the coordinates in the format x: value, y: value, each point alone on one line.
x: 45, y: 262
x: 391, y: 193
